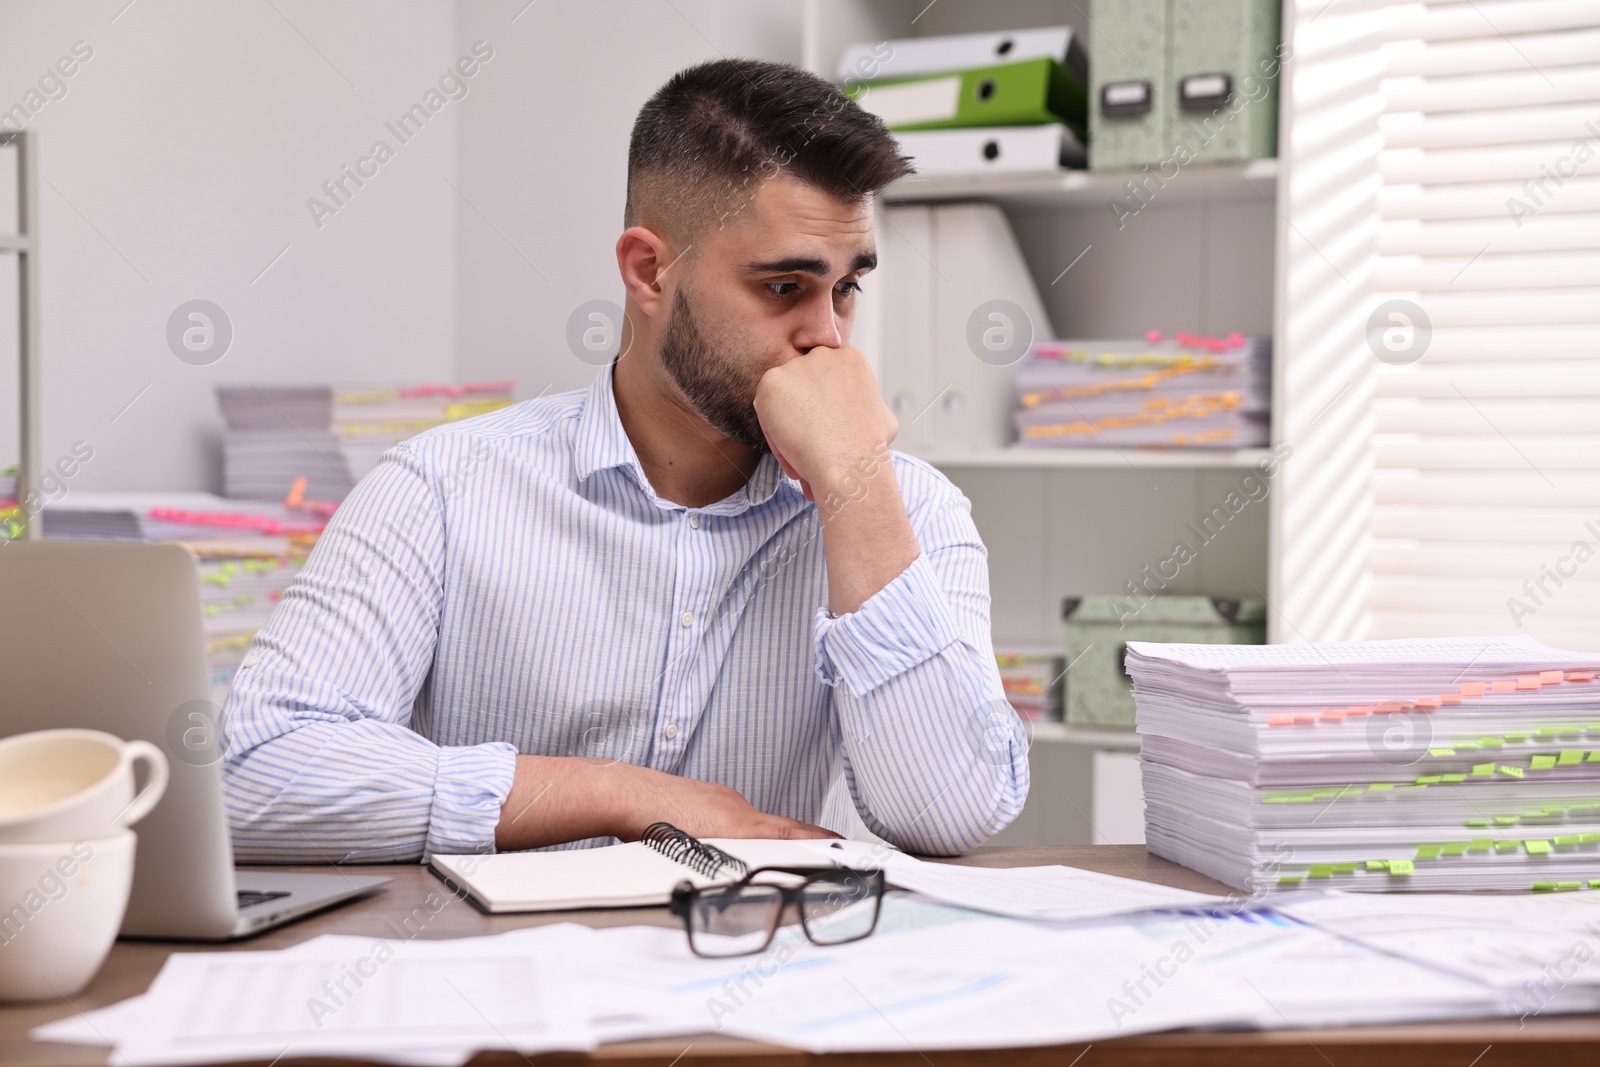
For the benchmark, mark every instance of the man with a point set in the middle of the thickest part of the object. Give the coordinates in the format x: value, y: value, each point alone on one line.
x: 699, y: 591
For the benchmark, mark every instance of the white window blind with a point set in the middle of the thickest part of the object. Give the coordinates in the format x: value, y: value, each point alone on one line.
x: 1328, y: 189
x: 1486, y: 486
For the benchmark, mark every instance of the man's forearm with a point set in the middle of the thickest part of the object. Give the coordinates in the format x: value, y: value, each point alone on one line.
x: 866, y: 533
x: 555, y: 799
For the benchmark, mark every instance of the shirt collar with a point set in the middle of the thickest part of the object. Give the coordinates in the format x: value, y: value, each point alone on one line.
x: 600, y: 443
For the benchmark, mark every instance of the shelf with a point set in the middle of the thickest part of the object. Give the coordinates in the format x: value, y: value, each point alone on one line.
x: 1230, y: 181
x: 1066, y: 733
x: 1097, y: 458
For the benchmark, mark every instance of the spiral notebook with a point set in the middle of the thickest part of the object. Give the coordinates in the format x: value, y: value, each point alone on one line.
x: 638, y: 874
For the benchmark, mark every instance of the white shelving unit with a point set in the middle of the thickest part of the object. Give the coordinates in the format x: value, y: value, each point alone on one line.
x: 1200, y: 255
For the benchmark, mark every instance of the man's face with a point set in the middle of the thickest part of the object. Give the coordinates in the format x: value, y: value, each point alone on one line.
x: 777, y: 278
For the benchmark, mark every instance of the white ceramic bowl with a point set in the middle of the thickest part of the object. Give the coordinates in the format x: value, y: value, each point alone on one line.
x: 61, y: 905
x: 72, y: 785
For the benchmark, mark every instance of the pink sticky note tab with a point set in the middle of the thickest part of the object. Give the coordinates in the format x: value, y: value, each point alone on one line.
x: 1450, y: 698
x: 1529, y: 681
x: 1472, y: 689
x: 1428, y: 702
x: 1503, y: 686
x: 1550, y: 677
x: 1280, y: 720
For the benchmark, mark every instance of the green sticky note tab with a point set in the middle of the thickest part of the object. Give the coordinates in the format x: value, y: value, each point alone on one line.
x: 1569, y: 839
x: 1454, y: 848
x: 1441, y: 752
x: 1569, y: 885
x: 1569, y: 756
x: 1346, y: 867
x: 1594, y: 756
x: 1480, y: 844
x: 1377, y: 865
x: 1536, y: 848
x: 1320, y: 870
x: 1289, y: 879
x: 1381, y: 785
x: 1482, y: 770
x: 1507, y: 846
x: 1589, y: 839
x: 1476, y: 824
x: 1515, y: 772
x: 1428, y: 852
x: 1452, y: 778
x: 1544, y: 887
x: 1516, y: 738
x: 1491, y: 742
x: 1400, y: 867
x: 1466, y: 746
x: 1505, y: 820
x: 1429, y: 779
x: 1541, y: 763
x: 1547, y: 731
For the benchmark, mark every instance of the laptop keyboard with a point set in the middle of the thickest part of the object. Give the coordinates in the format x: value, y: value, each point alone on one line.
x: 251, y: 897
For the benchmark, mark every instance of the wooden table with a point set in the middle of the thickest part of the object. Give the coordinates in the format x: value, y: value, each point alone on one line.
x: 1553, y: 1041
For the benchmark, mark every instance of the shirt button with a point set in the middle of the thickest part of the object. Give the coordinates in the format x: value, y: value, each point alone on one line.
x: 671, y: 731
x: 694, y: 521
x: 687, y: 618
x: 251, y: 660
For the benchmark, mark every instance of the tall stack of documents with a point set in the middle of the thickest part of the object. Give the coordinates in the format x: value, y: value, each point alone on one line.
x: 969, y: 103
x: 1186, y: 391
x: 332, y: 434
x: 248, y: 553
x: 1462, y: 764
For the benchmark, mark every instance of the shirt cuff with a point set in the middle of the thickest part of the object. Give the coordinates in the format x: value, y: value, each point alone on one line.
x: 471, y: 785
x: 901, y: 625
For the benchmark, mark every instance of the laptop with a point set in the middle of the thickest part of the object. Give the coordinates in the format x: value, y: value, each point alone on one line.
x: 109, y: 635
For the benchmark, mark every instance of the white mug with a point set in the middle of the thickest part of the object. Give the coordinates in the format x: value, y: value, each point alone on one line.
x: 70, y: 785
x: 61, y: 905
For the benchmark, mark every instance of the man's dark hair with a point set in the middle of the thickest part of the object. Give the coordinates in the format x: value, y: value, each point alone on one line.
x: 709, y: 136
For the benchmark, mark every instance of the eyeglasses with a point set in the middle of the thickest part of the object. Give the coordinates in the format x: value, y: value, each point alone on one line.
x: 836, y: 905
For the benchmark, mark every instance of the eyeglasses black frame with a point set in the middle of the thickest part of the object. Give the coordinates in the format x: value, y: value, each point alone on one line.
x: 685, y: 893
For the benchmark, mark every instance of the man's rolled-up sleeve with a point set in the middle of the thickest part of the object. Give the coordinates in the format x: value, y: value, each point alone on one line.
x: 320, y: 763
x: 935, y: 758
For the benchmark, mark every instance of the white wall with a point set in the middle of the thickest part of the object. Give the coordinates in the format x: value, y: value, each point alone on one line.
x: 544, y: 154
x: 179, y: 163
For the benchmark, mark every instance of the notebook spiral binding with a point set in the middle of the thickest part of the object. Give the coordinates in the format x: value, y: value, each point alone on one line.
x: 703, y: 859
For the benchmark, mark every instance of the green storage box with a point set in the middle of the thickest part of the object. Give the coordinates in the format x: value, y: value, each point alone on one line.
x: 1129, y: 107
x: 1098, y: 690
x: 1175, y: 82
x: 1224, y: 71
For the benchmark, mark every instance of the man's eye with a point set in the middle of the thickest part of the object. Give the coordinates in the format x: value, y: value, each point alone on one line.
x: 781, y: 288
x: 849, y: 288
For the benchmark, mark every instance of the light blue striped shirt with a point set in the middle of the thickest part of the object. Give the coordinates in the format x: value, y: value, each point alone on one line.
x: 511, y: 583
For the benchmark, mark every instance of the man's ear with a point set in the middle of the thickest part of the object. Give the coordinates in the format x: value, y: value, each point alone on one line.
x: 642, y: 258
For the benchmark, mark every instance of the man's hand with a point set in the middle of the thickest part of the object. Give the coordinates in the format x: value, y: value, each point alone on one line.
x: 555, y: 799
x: 824, y: 417
x: 829, y: 427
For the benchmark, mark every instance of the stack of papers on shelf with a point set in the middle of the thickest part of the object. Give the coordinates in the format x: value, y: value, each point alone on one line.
x: 975, y: 103
x: 249, y: 552
x: 1032, y: 678
x: 931, y: 977
x: 1186, y: 391
x: 1469, y: 763
x: 332, y: 434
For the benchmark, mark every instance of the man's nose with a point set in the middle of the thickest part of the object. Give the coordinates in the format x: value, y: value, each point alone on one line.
x: 820, y: 329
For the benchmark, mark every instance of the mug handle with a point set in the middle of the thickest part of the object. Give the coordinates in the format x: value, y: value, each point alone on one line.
x: 156, y: 761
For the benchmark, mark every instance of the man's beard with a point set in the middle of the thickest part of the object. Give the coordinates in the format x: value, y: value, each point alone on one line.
x: 715, y: 381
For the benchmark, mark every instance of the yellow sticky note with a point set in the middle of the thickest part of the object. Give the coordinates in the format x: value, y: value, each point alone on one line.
x: 1400, y: 867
